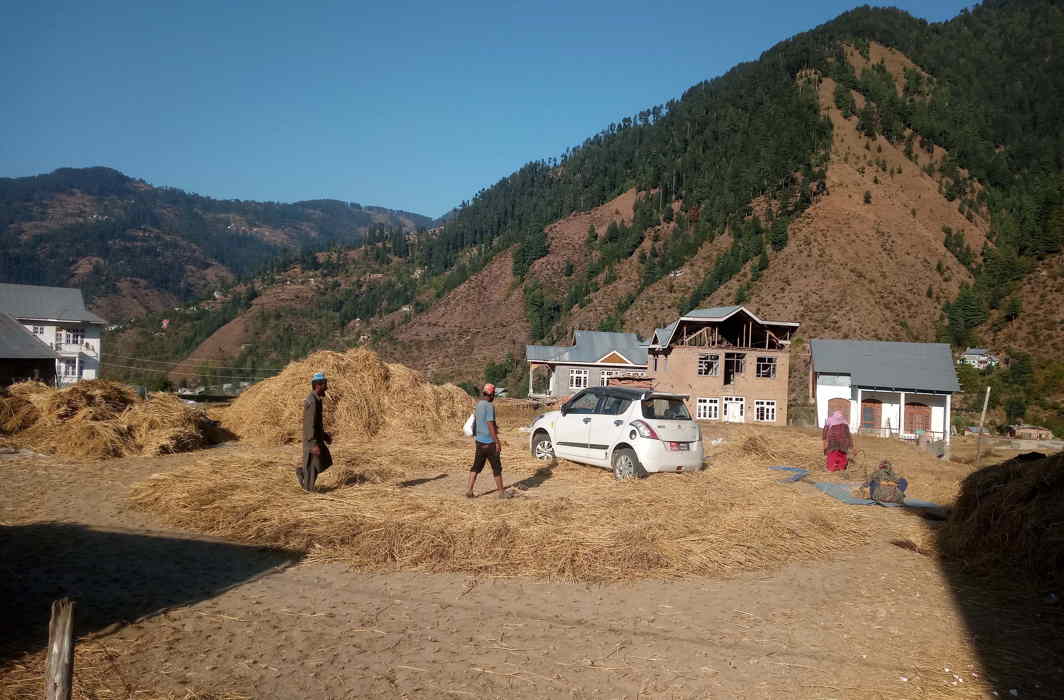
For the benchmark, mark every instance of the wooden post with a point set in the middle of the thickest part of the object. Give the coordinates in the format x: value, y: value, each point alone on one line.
x: 59, y: 673
x: 979, y: 438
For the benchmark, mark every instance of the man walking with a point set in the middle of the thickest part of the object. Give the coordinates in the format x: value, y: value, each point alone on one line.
x: 316, y: 456
x: 486, y: 442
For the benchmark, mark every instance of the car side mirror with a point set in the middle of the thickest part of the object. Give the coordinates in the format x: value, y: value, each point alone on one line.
x: 564, y: 409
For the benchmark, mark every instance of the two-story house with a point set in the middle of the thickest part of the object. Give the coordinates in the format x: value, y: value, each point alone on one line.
x: 734, y: 365
x: 592, y: 359
x: 57, y: 317
x: 980, y: 358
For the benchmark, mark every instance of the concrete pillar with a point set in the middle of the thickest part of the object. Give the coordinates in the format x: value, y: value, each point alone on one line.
x: 901, y: 413
x: 946, y: 420
x: 855, y: 424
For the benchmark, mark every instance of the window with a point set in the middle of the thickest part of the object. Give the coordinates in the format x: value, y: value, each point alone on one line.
x: 766, y: 368
x: 69, y: 368
x: 583, y: 403
x: 708, y: 365
x: 578, y: 378
x: 613, y: 406
x: 734, y: 364
x: 74, y: 336
x: 661, y: 408
x: 38, y: 331
x: 765, y: 411
x: 707, y: 409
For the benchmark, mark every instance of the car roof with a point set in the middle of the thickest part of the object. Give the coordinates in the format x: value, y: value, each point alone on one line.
x: 630, y: 394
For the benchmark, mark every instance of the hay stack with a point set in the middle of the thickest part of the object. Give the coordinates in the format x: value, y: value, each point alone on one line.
x: 1011, y: 516
x: 99, y: 419
x: 367, y: 399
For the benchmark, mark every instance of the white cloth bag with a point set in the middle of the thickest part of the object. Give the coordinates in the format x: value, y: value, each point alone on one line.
x: 467, y: 429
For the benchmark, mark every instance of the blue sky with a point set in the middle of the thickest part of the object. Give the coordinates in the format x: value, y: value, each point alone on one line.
x: 409, y: 105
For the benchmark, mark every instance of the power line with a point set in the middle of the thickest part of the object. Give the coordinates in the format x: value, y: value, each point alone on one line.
x: 160, y: 370
x: 174, y: 363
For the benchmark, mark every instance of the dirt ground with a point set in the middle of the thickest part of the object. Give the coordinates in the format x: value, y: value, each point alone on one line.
x: 163, y: 613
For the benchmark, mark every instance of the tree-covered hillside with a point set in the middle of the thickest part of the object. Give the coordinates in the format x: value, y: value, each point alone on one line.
x: 161, y: 235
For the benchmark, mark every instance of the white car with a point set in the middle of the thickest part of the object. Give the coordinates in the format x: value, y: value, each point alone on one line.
x: 632, y: 431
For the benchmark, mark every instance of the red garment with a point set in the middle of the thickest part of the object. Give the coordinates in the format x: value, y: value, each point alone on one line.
x: 836, y: 461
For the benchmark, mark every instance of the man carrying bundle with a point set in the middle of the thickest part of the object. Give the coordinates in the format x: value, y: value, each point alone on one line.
x: 316, y: 456
x: 486, y: 442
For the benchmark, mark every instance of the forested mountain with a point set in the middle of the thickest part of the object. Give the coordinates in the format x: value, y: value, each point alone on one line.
x: 879, y: 176
x: 116, y: 236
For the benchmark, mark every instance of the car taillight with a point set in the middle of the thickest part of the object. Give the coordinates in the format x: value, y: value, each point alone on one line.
x: 644, y: 430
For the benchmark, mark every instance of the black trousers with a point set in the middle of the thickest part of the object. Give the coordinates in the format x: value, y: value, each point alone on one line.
x: 486, y: 452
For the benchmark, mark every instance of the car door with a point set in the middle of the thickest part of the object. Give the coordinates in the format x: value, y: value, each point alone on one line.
x: 570, y: 434
x: 606, y: 424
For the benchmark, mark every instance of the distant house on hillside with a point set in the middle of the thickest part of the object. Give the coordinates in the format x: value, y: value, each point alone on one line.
x: 980, y: 358
x: 1031, y: 432
x: 734, y: 366
x: 884, y: 388
x: 57, y: 317
x: 594, y: 357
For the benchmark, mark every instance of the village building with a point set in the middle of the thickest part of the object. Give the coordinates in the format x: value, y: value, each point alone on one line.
x: 980, y: 358
x: 592, y: 360
x: 733, y: 365
x: 1031, y: 432
x: 884, y: 388
x: 57, y: 317
x: 23, y: 356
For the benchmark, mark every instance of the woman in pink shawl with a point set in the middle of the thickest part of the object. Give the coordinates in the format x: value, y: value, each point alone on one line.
x: 837, y: 442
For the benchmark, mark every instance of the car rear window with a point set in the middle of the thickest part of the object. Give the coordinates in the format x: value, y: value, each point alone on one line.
x: 658, y: 408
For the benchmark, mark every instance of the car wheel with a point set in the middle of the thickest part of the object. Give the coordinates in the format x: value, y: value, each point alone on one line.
x: 626, y: 465
x: 542, y: 449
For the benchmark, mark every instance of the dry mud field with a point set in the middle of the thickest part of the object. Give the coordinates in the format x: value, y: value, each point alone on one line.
x: 210, y: 575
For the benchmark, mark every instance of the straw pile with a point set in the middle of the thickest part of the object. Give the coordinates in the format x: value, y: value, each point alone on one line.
x: 99, y: 419
x: 386, y: 507
x: 367, y: 398
x: 1011, y: 516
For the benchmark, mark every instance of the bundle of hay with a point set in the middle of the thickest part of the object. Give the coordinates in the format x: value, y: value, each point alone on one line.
x: 99, y: 419
x: 1011, y: 516
x: 164, y: 424
x: 367, y: 398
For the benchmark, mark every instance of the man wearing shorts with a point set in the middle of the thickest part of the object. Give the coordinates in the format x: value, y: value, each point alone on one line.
x: 486, y: 442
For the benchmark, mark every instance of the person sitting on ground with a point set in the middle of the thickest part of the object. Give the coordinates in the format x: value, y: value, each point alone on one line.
x: 316, y: 455
x: 885, y: 486
x: 486, y: 442
x: 837, y: 442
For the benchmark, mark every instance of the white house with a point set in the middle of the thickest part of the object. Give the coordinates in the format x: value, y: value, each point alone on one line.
x: 884, y: 388
x: 980, y: 358
x: 591, y: 360
x: 57, y: 317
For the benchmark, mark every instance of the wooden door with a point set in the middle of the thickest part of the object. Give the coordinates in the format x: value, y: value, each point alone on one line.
x: 871, y: 414
x: 839, y: 405
x: 917, y: 417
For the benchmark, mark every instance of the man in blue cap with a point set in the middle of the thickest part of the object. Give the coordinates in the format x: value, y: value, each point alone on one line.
x: 316, y: 456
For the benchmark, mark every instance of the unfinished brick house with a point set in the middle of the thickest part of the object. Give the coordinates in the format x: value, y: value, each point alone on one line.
x: 733, y: 365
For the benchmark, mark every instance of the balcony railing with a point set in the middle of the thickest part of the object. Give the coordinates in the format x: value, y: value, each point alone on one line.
x: 74, y: 349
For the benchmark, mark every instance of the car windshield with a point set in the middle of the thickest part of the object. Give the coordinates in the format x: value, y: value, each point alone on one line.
x: 660, y: 408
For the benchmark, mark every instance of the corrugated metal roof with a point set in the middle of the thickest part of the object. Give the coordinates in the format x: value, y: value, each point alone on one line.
x: 17, y: 343
x: 714, y: 312
x: 32, y: 301
x: 976, y: 351
x: 590, y: 347
x: 888, y: 365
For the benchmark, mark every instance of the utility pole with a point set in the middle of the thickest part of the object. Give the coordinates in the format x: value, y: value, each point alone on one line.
x: 982, y: 420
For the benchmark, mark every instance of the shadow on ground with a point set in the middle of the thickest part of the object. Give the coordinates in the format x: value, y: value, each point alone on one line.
x: 114, y: 576
x: 1007, y: 575
x: 537, y: 479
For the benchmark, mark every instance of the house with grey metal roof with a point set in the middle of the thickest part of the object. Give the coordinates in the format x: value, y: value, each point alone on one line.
x: 592, y: 359
x: 980, y: 358
x: 884, y: 388
x: 733, y: 364
x: 57, y: 317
